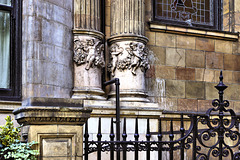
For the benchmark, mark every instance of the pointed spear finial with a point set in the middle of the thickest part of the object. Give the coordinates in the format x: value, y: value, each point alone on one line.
x: 221, y: 86
x: 221, y: 76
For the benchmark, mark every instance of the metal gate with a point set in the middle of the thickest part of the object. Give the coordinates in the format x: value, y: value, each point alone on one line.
x: 218, y: 123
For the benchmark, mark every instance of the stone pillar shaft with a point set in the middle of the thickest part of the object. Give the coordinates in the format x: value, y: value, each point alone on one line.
x: 87, y: 14
x: 88, y: 50
x: 128, y: 49
x: 127, y: 17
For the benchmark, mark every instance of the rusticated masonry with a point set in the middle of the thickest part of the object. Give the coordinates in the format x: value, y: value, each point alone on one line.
x: 128, y: 51
x: 88, y: 50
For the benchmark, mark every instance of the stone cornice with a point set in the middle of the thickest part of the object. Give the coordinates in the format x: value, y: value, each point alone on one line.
x: 194, y: 32
x: 51, y: 115
x: 37, y: 111
x: 128, y: 37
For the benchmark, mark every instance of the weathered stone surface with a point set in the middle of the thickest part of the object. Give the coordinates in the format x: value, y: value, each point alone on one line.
x: 107, y: 16
x: 214, y: 60
x: 151, y: 37
x: 186, y: 42
x: 165, y: 72
x: 175, y: 88
x: 185, y: 73
x: 195, y: 59
x: 236, y: 77
x: 205, y: 44
x: 155, y: 87
x: 124, y: 21
x: 47, y: 45
x: 223, y: 46
x: 166, y: 40
x: 187, y: 105
x: 159, y: 55
x: 231, y: 62
x: 228, y: 76
x: 206, y: 75
x: 236, y: 106
x: 210, y: 91
x: 204, y: 105
x: 232, y: 92
x: 195, y: 90
x: 150, y: 73
x: 175, y: 57
x: 57, y: 139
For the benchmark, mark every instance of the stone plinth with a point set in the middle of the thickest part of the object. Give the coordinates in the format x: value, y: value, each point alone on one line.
x: 56, y: 124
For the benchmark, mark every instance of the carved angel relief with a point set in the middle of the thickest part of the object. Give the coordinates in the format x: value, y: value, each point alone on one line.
x: 137, y: 57
x: 89, y: 52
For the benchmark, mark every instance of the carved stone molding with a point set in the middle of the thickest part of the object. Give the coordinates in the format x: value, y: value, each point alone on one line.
x: 51, y: 111
x: 130, y: 56
x: 89, y: 51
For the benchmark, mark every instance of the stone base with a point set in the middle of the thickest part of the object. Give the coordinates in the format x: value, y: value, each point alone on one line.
x: 56, y: 124
x: 127, y: 109
x: 91, y: 94
x: 129, y: 96
x: 56, y: 142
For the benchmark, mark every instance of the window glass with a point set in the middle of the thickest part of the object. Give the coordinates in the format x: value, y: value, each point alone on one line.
x: 5, y: 2
x: 4, y: 49
x: 188, y: 11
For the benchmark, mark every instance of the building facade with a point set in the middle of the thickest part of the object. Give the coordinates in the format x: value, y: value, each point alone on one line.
x: 56, y: 55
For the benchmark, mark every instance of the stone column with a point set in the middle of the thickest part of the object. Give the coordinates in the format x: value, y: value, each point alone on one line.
x: 128, y: 49
x: 88, y: 50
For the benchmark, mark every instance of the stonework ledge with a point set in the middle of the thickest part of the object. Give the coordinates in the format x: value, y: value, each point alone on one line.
x: 127, y: 109
x: 195, y: 32
x: 52, y: 111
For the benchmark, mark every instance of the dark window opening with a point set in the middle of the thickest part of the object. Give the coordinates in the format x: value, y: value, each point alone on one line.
x: 10, y: 50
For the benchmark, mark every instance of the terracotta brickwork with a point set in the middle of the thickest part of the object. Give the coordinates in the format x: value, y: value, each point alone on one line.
x: 188, y: 66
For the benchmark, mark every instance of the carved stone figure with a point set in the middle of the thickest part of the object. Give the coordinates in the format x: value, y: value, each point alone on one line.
x: 89, y: 52
x: 137, y: 57
x: 135, y: 51
x: 115, y: 50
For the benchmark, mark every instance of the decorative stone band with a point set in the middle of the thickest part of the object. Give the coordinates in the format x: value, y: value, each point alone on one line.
x: 128, y: 53
x: 51, y: 115
x: 52, y: 111
x: 88, y: 49
x: 129, y: 61
x: 89, y: 61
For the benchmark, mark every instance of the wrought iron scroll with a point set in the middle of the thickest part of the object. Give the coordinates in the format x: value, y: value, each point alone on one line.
x: 207, y: 137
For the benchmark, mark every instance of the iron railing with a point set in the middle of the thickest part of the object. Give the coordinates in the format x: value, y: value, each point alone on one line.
x: 212, y: 135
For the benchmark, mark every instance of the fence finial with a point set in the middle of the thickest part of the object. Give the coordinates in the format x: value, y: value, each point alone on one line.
x: 221, y: 86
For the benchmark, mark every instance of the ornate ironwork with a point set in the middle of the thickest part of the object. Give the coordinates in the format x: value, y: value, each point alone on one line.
x: 213, y: 135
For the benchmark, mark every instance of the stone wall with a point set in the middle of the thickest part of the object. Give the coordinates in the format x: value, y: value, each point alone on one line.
x: 185, y: 67
x: 47, y: 48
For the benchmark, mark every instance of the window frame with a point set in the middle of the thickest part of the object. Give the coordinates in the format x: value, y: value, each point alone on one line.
x: 13, y: 93
x: 217, y: 22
